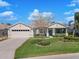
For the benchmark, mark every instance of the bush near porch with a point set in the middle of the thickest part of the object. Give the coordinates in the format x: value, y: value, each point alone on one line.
x: 59, y: 35
x: 3, y: 38
x: 56, y: 46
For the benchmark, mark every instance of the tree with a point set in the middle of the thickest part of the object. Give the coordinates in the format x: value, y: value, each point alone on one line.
x: 41, y: 21
x: 71, y: 27
x: 8, y: 23
x: 77, y: 23
x: 77, y: 20
x: 42, y: 24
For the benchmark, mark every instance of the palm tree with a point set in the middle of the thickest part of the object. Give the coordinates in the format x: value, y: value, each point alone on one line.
x: 77, y: 21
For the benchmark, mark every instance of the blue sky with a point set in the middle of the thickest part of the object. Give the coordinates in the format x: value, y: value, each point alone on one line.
x: 13, y: 11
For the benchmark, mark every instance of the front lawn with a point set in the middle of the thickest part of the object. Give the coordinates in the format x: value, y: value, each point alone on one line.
x: 56, y: 46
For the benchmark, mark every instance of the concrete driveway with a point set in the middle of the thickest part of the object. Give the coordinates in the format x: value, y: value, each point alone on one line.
x: 8, y: 47
x: 62, y: 56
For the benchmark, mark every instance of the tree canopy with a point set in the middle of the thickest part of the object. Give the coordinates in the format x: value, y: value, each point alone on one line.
x: 41, y: 19
x: 77, y: 20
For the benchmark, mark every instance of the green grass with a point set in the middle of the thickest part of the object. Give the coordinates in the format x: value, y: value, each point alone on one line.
x: 29, y: 49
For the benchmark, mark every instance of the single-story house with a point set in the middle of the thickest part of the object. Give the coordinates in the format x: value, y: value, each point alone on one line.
x: 52, y: 30
x: 22, y: 30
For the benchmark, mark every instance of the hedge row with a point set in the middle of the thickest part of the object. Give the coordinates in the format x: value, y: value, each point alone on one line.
x: 70, y: 38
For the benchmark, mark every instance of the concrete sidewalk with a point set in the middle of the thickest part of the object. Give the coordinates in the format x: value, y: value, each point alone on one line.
x: 8, y: 47
x: 61, y: 56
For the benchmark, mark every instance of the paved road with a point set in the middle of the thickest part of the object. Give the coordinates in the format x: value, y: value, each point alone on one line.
x: 8, y: 47
x: 62, y: 56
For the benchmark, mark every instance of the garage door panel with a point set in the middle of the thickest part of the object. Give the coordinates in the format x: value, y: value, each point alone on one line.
x: 21, y: 34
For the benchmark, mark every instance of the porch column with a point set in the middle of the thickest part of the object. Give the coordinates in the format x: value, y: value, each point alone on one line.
x: 37, y: 31
x: 66, y: 32
x: 47, y: 33
x: 53, y: 31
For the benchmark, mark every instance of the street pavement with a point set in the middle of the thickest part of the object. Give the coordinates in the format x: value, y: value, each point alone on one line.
x: 61, y: 56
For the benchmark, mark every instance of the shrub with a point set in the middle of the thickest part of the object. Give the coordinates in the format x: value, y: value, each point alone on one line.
x: 71, y: 38
x: 44, y: 43
x: 76, y: 38
x: 37, y: 40
x: 39, y: 36
x: 59, y: 35
x: 3, y: 38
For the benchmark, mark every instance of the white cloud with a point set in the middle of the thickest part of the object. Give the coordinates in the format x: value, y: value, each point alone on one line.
x: 68, y: 12
x: 73, y: 3
x: 47, y: 14
x: 70, y: 18
x: 35, y: 14
x: 4, y: 3
x: 76, y: 10
x: 7, y: 15
x: 71, y: 12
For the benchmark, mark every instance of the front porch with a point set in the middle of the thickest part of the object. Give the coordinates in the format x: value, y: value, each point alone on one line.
x: 51, y: 32
x: 57, y: 32
x: 57, y: 29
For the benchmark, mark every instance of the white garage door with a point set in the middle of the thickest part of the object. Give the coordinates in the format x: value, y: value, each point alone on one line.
x: 20, y: 33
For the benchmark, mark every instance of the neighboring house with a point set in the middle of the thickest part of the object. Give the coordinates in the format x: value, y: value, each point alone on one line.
x: 4, y: 30
x: 22, y: 30
x: 71, y: 28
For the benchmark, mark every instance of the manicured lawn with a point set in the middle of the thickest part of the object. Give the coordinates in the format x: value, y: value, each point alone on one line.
x: 57, y: 46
